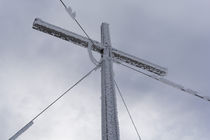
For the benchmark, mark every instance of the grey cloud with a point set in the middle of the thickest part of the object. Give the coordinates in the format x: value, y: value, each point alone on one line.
x: 35, y: 68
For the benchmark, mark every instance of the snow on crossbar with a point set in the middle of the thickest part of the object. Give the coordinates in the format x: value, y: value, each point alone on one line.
x: 98, y: 47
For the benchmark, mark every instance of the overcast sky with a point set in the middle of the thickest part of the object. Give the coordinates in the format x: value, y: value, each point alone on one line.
x: 35, y: 68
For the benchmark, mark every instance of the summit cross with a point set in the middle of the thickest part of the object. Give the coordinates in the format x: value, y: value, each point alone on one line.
x: 109, y: 117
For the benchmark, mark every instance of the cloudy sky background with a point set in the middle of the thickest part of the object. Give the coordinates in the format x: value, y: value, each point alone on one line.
x: 35, y: 68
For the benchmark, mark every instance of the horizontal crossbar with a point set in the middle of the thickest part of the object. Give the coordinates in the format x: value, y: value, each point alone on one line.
x: 97, y: 46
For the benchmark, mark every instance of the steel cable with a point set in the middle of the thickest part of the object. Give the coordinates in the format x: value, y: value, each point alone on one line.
x: 127, y: 109
x: 22, y: 130
x: 170, y: 83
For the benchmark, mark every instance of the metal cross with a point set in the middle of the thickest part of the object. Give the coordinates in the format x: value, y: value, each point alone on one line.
x: 110, y: 126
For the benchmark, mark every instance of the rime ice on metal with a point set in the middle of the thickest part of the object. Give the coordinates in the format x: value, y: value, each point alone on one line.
x: 70, y: 12
x: 98, y: 47
x: 110, y: 127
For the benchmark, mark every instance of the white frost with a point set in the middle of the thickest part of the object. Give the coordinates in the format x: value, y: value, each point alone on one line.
x: 70, y: 12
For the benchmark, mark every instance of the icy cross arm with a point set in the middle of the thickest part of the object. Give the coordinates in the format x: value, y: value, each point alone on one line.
x: 83, y: 42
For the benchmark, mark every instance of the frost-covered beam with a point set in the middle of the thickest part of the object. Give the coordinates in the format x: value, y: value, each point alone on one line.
x: 64, y: 34
x: 98, y: 47
x: 138, y: 62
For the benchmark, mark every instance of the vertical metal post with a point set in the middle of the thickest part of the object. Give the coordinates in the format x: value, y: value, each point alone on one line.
x: 110, y: 126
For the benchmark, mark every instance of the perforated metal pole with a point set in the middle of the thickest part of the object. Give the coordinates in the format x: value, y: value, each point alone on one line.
x: 110, y: 126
